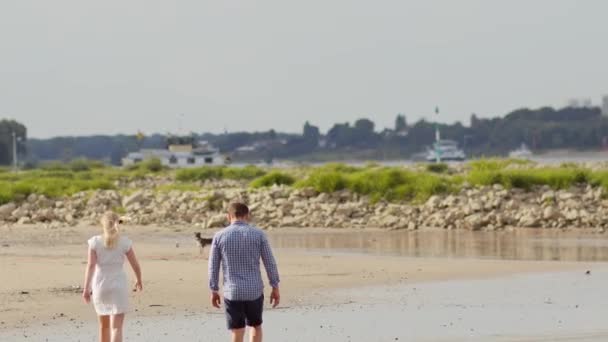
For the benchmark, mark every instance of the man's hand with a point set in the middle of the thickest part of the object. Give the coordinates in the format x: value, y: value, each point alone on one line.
x: 215, y: 299
x: 275, y: 297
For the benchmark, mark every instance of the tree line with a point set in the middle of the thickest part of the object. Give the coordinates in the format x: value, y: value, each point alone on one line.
x: 541, y: 129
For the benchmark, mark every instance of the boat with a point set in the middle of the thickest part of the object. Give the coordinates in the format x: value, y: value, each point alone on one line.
x: 180, y: 152
x: 523, y: 152
x: 445, y: 150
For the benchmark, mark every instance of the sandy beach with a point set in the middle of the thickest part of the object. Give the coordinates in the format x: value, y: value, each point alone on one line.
x: 329, y: 294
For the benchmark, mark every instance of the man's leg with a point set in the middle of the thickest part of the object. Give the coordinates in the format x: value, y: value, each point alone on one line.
x: 253, y: 313
x: 255, y: 334
x: 238, y: 335
x: 235, y: 319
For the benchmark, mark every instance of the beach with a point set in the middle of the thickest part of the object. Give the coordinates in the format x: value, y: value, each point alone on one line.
x: 332, y: 290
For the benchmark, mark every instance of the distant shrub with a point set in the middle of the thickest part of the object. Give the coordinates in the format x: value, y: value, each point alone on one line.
x: 273, y: 178
x: 48, y: 186
x: 76, y: 165
x: 152, y: 165
x: 557, y: 178
x: 219, y: 172
x: 495, y: 164
x: 388, y: 183
x: 248, y: 172
x: 437, y: 167
x: 324, y: 181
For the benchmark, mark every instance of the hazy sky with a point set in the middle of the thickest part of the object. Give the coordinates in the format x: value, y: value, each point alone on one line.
x: 118, y: 66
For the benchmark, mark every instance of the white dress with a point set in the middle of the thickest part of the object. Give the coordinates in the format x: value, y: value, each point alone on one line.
x: 110, y: 290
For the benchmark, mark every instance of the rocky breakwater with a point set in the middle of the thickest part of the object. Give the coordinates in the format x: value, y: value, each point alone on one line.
x: 473, y: 208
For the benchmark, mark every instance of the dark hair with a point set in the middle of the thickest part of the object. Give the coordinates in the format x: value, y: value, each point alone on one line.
x: 238, y: 209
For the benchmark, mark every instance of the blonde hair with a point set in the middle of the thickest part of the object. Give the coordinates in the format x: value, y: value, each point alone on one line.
x: 109, y: 222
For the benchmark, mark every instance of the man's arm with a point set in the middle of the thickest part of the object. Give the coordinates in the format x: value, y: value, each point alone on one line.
x: 269, y: 263
x: 215, y: 257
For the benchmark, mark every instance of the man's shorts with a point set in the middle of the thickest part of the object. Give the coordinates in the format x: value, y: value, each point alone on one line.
x: 241, y: 313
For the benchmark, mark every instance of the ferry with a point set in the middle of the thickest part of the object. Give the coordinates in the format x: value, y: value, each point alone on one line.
x: 445, y: 150
x: 181, y: 152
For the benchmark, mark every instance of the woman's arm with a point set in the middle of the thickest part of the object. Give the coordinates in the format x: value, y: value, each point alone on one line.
x: 88, y: 275
x: 136, y: 268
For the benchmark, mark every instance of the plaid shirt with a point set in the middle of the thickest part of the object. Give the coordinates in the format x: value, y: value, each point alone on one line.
x: 238, y: 249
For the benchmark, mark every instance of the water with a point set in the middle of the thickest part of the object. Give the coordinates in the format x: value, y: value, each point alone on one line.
x: 509, y: 245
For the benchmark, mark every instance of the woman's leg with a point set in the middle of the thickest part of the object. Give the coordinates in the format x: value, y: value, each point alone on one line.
x: 116, y: 324
x: 104, y: 328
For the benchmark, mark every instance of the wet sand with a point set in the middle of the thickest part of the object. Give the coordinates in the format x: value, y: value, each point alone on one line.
x: 559, y: 306
x: 334, y: 285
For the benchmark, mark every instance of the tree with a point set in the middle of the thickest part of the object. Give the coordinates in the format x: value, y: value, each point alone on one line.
x: 364, y: 126
x: 7, y: 128
x: 400, y: 123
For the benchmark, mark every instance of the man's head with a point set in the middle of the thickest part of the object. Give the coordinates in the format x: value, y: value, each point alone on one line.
x: 238, y: 211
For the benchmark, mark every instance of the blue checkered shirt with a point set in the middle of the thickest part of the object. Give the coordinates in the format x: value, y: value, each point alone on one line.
x: 238, y: 249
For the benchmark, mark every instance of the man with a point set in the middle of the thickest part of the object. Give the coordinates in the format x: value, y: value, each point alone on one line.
x: 238, y: 249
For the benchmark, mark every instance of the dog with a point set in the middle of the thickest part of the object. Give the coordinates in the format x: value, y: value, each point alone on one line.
x: 202, y: 242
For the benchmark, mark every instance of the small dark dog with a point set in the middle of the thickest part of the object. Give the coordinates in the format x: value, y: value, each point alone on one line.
x: 202, y: 242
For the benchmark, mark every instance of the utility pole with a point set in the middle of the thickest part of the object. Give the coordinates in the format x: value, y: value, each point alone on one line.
x: 15, y: 161
x: 437, y: 138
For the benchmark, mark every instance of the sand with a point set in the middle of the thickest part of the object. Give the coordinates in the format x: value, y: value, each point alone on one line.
x: 42, y: 268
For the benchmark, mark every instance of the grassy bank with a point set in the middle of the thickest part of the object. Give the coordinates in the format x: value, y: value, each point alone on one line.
x: 415, y: 183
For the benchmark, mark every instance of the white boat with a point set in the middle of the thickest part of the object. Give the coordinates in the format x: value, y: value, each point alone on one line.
x: 445, y: 150
x: 180, y: 152
x: 523, y: 152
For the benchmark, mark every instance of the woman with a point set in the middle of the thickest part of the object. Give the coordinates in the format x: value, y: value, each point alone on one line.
x: 105, y: 279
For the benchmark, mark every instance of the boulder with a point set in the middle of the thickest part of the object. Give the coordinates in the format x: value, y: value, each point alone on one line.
x: 217, y: 221
x: 550, y: 213
x: 6, y: 210
x: 529, y: 220
x: 135, y: 197
x: 474, y: 222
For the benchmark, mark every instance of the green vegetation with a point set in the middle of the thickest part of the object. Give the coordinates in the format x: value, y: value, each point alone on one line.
x: 494, y: 164
x: 48, y: 186
x: 372, y: 180
x: 219, y: 172
x: 388, y: 183
x: 437, y: 167
x: 151, y: 165
x: 76, y: 165
x: 273, y: 178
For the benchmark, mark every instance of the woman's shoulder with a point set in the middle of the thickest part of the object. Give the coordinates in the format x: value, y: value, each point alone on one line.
x: 93, y: 241
x: 125, y: 242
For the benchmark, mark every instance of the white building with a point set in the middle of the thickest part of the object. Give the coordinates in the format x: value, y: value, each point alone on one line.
x: 605, y: 105
x: 180, y: 154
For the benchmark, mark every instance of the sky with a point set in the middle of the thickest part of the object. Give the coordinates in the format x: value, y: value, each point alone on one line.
x: 73, y: 67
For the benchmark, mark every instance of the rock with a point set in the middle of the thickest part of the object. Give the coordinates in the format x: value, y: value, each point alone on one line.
x: 548, y: 196
x: 309, y: 192
x: 476, y: 205
x: 24, y: 220
x: 132, y: 199
x: 564, y: 196
x: 6, y: 210
x: 389, y: 221
x: 474, y: 222
x: 571, y: 214
x: 412, y: 225
x: 217, y: 221
x: 433, y: 202
x: 550, y: 213
x: 529, y: 221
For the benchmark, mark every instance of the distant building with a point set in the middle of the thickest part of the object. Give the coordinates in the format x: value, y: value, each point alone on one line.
x: 605, y: 105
